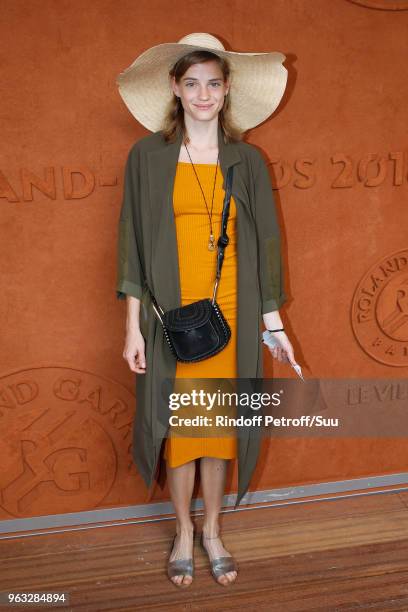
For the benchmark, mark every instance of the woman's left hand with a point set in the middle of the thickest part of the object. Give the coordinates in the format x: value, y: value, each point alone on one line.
x: 283, y: 352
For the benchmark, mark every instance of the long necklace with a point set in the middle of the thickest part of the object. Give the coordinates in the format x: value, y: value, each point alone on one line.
x: 211, y: 242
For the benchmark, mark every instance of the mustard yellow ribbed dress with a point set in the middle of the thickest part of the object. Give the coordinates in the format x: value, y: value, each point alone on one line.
x: 197, y: 266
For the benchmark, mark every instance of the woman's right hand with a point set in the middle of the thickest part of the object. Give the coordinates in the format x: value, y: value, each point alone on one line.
x: 134, y: 351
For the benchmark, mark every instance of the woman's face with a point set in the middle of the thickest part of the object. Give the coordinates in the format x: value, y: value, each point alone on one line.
x: 202, y: 90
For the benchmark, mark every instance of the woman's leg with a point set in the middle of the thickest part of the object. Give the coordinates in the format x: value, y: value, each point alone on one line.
x: 213, y: 473
x: 181, y: 484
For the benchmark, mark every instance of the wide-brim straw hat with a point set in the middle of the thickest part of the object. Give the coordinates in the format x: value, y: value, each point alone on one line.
x: 258, y: 81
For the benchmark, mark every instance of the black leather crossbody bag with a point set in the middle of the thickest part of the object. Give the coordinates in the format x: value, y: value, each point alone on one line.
x: 199, y: 330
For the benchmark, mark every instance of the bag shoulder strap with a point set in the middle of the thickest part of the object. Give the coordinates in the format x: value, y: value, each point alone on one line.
x: 223, y: 240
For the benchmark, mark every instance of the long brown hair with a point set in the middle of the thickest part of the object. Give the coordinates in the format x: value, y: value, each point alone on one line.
x: 174, y: 116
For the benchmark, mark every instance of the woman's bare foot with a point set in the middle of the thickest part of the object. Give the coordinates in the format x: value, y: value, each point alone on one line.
x: 215, y: 549
x: 183, y: 549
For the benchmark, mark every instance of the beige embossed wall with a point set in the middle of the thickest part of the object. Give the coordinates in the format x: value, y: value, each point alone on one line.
x: 337, y: 149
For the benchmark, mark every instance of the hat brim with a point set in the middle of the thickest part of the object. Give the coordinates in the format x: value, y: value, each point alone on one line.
x: 258, y: 82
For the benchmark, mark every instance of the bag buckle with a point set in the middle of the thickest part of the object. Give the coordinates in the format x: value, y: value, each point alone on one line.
x: 215, y: 290
x: 157, y: 312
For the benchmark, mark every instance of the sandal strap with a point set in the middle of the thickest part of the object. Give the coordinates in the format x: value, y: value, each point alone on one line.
x: 222, y: 565
x: 180, y: 566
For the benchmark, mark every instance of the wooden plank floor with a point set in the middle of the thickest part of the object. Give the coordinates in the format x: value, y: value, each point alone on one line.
x: 344, y: 554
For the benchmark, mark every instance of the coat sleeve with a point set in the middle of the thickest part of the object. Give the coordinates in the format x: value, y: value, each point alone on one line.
x: 270, y: 266
x: 130, y: 276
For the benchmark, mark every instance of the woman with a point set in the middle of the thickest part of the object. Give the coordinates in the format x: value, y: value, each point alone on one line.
x: 169, y: 222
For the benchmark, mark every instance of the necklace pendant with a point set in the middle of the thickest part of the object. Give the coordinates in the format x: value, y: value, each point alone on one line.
x: 211, y: 245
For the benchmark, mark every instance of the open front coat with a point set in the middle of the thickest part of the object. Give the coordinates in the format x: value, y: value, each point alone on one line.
x: 147, y: 257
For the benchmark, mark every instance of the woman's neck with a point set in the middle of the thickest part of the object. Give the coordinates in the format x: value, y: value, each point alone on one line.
x: 203, y: 135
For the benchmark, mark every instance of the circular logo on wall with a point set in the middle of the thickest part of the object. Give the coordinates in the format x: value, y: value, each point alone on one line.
x: 66, y: 441
x: 379, y: 312
x: 385, y: 5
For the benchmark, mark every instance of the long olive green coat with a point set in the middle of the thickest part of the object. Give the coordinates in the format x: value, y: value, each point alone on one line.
x: 148, y: 256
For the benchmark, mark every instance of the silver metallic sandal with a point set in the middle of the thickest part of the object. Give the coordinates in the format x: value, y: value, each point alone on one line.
x: 220, y: 565
x: 180, y: 567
